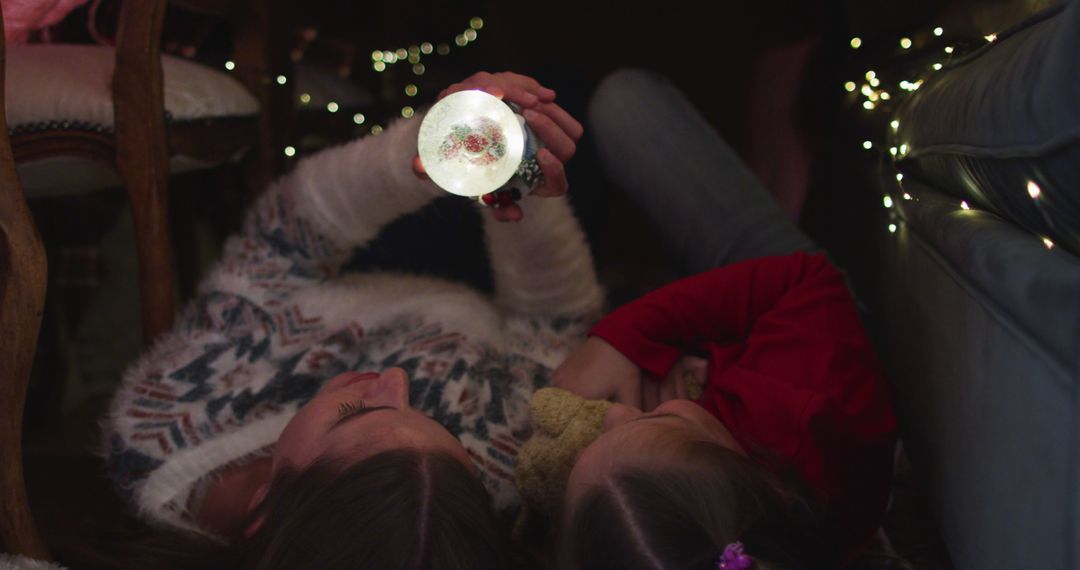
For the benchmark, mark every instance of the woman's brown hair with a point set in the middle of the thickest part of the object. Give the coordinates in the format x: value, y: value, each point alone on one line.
x: 682, y: 514
x: 401, y: 509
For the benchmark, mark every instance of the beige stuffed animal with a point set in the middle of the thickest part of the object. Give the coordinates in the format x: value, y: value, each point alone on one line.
x: 564, y: 425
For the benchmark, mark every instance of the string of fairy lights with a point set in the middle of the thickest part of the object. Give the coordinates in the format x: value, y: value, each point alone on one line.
x: 873, y: 93
x: 381, y: 61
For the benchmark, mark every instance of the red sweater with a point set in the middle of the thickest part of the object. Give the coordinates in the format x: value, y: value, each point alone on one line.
x: 791, y: 370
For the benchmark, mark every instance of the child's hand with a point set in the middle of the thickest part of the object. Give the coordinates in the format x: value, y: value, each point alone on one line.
x: 685, y: 381
x: 597, y: 371
x: 556, y: 128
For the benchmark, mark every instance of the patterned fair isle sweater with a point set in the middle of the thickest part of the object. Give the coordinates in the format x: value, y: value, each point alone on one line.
x: 276, y: 318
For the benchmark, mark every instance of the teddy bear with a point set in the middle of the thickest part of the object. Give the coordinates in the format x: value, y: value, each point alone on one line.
x: 564, y: 425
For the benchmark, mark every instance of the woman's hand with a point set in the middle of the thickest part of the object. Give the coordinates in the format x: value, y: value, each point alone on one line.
x: 556, y: 128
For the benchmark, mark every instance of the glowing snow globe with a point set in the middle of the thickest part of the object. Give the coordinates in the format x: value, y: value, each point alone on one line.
x: 473, y: 144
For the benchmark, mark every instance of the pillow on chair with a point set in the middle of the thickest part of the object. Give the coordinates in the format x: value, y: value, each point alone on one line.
x: 69, y: 87
x: 1000, y: 127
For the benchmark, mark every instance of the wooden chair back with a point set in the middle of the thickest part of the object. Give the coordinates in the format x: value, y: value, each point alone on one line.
x: 144, y: 144
x: 22, y: 302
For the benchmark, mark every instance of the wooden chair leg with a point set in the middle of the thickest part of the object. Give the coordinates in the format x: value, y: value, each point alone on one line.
x: 149, y: 209
x: 142, y: 157
x: 22, y: 302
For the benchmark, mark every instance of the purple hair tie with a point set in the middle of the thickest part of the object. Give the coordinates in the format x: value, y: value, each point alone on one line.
x: 734, y: 558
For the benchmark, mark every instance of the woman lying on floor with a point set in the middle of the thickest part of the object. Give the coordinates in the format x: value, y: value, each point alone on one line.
x: 300, y: 417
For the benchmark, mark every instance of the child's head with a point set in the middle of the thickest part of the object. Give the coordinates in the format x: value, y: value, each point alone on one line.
x: 397, y: 509
x: 671, y: 489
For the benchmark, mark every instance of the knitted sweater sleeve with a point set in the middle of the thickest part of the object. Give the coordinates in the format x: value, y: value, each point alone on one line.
x: 542, y: 264
x: 306, y: 225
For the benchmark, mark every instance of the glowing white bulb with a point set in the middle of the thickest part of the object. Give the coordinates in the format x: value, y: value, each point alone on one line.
x: 849, y: 86
x: 476, y: 22
x: 892, y: 150
x: 991, y: 37
x: 290, y: 151
x: 907, y: 196
x: 305, y: 98
x: 407, y: 112
x: 949, y: 49
x: 230, y: 65
x: 892, y: 228
x: 868, y: 105
x: 1033, y: 189
x: 871, y: 74
x: 903, y: 149
x: 887, y: 201
x: 899, y: 177
x: 282, y: 80
x: 359, y: 118
x: 1049, y: 244
x: 937, y: 66
x: 895, y: 124
x: 377, y: 55
x: 938, y: 31
x: 885, y: 96
x: 426, y: 48
x: 964, y: 205
x: 905, y: 43
x: 471, y: 143
x: 867, y: 145
x: 332, y: 107
x: 379, y: 66
x: 874, y: 82
x: 856, y: 42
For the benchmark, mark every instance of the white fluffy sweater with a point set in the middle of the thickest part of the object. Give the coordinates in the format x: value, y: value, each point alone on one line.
x: 276, y: 318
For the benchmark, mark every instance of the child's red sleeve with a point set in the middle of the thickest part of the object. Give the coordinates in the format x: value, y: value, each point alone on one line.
x: 720, y: 305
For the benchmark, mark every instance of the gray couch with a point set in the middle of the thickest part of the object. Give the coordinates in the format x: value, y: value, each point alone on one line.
x: 979, y: 316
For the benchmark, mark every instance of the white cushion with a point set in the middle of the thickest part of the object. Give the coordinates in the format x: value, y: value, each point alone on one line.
x: 57, y: 82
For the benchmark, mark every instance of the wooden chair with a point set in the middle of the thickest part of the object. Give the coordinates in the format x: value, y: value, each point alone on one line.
x: 163, y: 115
x: 22, y: 301
x: 143, y: 145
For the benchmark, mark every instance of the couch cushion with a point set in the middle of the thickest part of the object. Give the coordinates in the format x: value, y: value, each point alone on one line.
x: 980, y: 330
x: 991, y: 123
x: 55, y: 83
